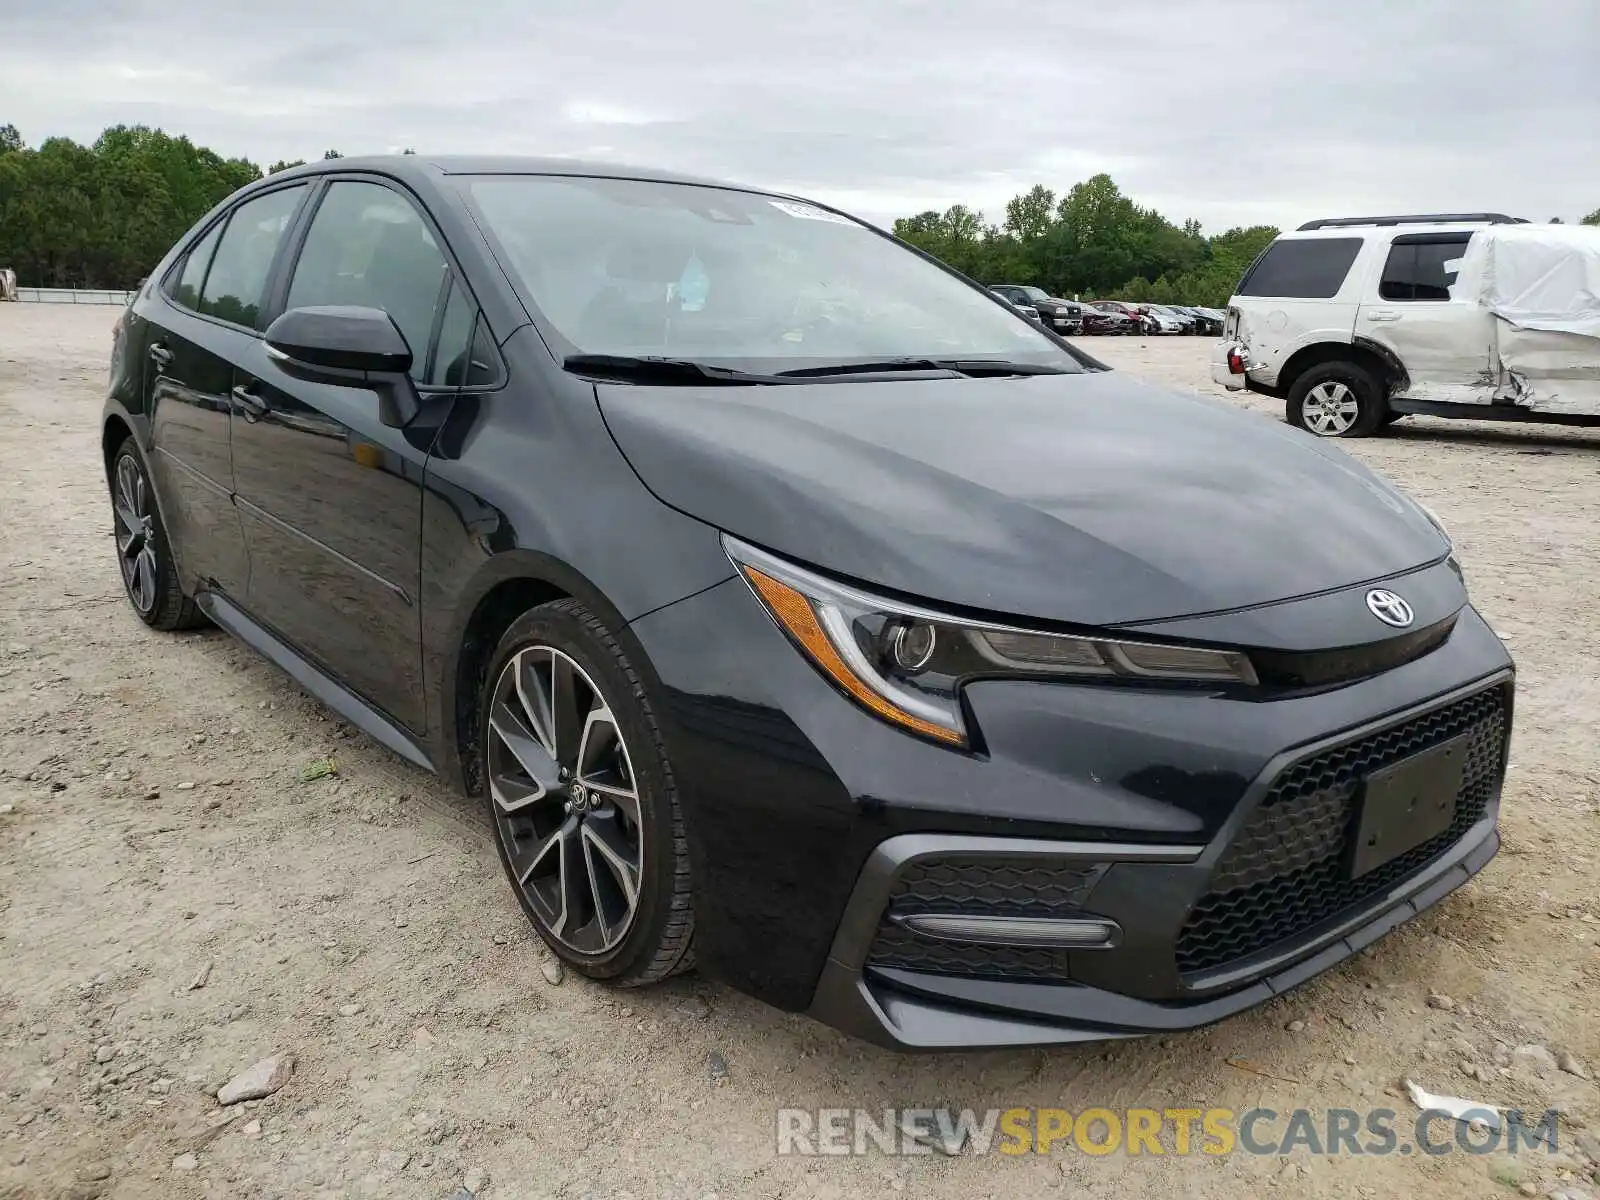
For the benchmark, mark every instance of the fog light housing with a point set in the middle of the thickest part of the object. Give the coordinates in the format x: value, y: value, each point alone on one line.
x: 1060, y: 933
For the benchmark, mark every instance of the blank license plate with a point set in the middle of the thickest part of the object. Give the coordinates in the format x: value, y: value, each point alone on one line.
x: 1406, y: 803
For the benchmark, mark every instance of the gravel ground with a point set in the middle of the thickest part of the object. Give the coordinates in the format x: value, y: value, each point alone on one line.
x: 176, y: 904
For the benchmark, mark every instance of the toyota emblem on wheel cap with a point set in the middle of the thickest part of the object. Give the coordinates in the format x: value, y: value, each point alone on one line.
x: 1389, y: 608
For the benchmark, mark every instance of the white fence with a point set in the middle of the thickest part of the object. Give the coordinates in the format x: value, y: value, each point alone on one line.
x: 72, y: 295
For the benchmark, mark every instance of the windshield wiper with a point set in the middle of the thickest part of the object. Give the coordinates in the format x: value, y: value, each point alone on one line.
x: 653, y: 369
x: 975, y: 367
x: 691, y: 373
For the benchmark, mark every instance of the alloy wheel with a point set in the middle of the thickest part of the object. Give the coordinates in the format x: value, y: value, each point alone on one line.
x: 566, y: 800
x: 1330, y: 409
x: 135, y: 529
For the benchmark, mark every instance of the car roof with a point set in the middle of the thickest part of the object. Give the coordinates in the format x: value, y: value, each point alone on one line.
x: 1385, y: 231
x: 403, y: 165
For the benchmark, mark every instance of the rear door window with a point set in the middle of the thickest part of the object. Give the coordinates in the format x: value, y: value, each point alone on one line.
x: 185, y: 290
x: 238, y: 276
x: 1302, y: 268
x: 1422, y: 268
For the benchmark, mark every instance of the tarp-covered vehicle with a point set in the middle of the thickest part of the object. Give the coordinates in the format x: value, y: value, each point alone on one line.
x: 1358, y: 321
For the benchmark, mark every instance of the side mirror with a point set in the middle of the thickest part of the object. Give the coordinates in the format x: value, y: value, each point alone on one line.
x: 349, y: 347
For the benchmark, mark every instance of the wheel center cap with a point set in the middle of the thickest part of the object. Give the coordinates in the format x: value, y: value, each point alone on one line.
x: 581, y: 798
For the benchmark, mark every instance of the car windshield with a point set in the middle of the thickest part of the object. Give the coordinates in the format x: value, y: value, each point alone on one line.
x: 1034, y: 293
x: 641, y: 269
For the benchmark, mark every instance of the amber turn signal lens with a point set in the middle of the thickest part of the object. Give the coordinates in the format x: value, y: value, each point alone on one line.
x: 794, y: 613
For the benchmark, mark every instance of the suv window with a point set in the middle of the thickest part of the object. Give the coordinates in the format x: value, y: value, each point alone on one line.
x: 1422, y: 269
x: 369, y: 246
x: 186, y: 290
x: 238, y: 275
x: 1306, y: 268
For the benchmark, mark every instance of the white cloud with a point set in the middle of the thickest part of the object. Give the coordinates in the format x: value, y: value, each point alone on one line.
x: 1234, y: 111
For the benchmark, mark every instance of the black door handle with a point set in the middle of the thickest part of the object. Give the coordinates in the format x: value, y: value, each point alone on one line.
x: 161, y: 356
x: 253, y: 405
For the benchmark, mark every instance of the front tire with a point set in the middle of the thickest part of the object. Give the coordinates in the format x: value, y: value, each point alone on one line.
x: 1337, y: 399
x: 144, y: 556
x: 583, y: 800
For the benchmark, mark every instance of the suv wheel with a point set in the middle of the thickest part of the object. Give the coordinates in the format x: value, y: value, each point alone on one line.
x: 1338, y: 399
x: 585, y: 809
x: 149, y: 575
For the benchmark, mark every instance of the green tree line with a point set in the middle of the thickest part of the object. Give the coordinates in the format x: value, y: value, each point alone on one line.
x: 1094, y: 242
x: 103, y: 215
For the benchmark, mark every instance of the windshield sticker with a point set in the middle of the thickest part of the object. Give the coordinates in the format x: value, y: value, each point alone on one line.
x: 693, y: 285
x: 806, y: 213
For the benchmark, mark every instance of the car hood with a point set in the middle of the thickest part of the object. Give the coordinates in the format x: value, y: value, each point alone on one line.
x: 1089, y: 499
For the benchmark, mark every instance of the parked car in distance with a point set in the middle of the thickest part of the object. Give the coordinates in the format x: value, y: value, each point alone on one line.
x: 1355, y: 322
x: 1191, y: 320
x: 1201, y: 323
x: 1104, y: 321
x: 1062, y: 316
x: 1136, y: 316
x: 1026, y: 310
x: 1156, y: 321
x: 1210, y: 321
x: 794, y: 610
x: 1173, y: 319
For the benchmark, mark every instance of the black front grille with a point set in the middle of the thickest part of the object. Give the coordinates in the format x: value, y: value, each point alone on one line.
x: 986, y: 886
x: 1284, y: 871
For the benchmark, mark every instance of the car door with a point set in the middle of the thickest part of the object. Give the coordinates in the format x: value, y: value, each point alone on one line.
x: 1445, y: 345
x: 330, y: 496
x: 200, y: 324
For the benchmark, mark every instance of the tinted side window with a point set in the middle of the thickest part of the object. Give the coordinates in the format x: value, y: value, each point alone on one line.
x: 450, y: 359
x: 186, y: 289
x: 369, y: 246
x: 1422, y: 270
x: 1307, y: 268
x: 483, y: 368
x: 238, y: 275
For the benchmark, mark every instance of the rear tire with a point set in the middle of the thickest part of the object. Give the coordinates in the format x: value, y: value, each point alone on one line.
x: 1337, y: 399
x: 144, y: 557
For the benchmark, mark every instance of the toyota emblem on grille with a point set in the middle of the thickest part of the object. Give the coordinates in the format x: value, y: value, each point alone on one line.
x: 1389, y: 608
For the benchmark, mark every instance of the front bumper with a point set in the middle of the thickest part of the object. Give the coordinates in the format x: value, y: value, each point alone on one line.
x: 889, y: 985
x: 798, y: 803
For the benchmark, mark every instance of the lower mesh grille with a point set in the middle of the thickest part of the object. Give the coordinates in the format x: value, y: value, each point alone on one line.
x: 1284, y: 871
x: 993, y: 887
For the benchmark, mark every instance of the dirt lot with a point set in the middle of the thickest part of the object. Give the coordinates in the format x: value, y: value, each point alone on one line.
x: 176, y: 904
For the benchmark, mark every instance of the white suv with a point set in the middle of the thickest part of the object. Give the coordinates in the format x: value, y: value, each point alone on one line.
x: 1358, y: 321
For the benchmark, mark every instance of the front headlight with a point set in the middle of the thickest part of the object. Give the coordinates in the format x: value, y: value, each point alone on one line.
x: 907, y: 664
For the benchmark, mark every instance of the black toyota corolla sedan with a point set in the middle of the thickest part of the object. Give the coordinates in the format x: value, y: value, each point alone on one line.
x: 796, y: 608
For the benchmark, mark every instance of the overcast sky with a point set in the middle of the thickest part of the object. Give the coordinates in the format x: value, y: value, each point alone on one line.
x: 1233, y: 111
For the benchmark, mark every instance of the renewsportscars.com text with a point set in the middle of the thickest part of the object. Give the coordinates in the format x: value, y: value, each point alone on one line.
x: 1158, y: 1131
